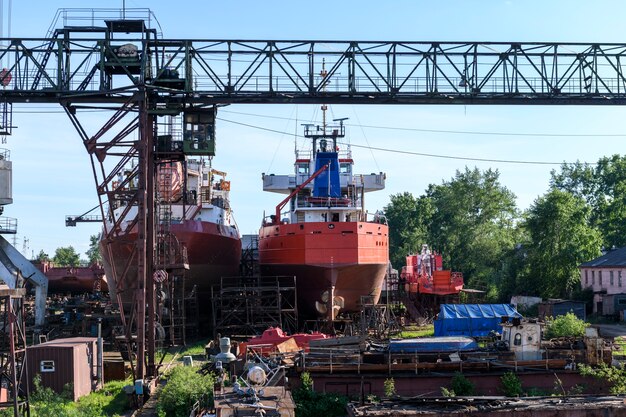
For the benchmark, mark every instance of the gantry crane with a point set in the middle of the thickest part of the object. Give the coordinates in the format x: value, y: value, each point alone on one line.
x: 124, y: 65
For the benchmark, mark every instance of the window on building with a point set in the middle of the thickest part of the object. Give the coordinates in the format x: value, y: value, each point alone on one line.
x: 518, y: 339
x: 619, y: 278
x: 600, y: 278
x: 46, y: 366
x: 593, y: 277
x: 611, y: 277
x: 586, y: 277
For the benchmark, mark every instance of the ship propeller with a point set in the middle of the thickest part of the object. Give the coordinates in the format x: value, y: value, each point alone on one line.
x: 321, y: 307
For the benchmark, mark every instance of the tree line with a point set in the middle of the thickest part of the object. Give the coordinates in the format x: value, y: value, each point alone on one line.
x: 473, y: 220
x: 67, y: 255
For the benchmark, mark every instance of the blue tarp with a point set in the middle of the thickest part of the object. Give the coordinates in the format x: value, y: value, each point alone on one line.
x: 474, y: 320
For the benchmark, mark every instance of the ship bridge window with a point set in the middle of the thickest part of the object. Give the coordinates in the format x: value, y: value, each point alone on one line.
x: 345, y: 168
x: 303, y: 168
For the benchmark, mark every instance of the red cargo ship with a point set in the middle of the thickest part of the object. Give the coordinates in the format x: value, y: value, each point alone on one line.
x: 199, y: 219
x: 325, y: 238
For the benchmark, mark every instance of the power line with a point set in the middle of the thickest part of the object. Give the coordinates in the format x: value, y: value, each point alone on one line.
x: 456, y: 132
x: 429, y: 155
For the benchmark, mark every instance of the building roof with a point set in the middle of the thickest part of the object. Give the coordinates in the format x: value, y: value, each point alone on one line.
x: 561, y: 301
x: 615, y: 257
x: 68, y: 342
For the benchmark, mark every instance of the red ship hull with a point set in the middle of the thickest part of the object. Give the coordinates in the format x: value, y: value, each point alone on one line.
x: 213, y: 251
x: 347, y: 259
x: 74, y: 280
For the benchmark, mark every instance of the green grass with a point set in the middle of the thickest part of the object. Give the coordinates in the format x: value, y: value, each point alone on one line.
x: 411, y: 332
x: 192, y: 349
x: 107, y: 402
x: 110, y: 399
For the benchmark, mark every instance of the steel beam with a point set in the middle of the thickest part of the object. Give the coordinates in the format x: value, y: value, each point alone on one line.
x: 81, y: 67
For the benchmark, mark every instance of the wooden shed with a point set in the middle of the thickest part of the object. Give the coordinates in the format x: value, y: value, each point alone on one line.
x: 64, y: 361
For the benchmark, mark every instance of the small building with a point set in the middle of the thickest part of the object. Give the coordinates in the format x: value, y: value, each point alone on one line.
x: 64, y: 361
x: 473, y: 320
x: 554, y: 308
x: 606, y: 277
x: 524, y: 302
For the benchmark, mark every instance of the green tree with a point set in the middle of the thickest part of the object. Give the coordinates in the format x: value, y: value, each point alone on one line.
x: 560, y: 240
x: 603, y: 187
x: 66, y: 256
x: 42, y: 256
x: 408, y: 218
x: 473, y: 223
x: 93, y: 253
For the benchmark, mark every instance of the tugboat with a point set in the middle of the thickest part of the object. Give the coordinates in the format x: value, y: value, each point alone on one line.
x: 337, y: 252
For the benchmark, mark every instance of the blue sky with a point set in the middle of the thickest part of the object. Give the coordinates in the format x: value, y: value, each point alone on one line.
x: 52, y: 174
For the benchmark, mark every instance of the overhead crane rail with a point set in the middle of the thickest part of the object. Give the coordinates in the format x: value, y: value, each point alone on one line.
x: 77, y: 64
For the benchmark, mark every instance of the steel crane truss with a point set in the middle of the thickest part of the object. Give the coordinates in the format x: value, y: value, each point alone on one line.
x: 232, y: 71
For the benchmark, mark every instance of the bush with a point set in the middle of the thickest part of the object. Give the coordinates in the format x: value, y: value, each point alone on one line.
x: 461, y: 385
x: 106, y: 402
x: 390, y: 387
x: 565, y: 326
x: 184, y: 387
x: 614, y: 375
x: 314, y: 404
x: 511, y: 385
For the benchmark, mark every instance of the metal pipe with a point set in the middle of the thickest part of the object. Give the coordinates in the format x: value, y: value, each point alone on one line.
x: 100, y: 364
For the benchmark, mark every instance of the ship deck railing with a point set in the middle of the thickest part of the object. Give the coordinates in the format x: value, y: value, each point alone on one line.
x: 342, y: 203
x: 307, y: 154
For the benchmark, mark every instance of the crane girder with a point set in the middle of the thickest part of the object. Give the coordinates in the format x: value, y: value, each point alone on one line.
x: 82, y: 67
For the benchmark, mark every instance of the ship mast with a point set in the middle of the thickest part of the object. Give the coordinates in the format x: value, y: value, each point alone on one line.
x: 324, y: 107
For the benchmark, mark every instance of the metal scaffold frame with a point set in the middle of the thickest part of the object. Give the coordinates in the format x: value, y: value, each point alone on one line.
x: 13, y: 374
x: 249, y: 305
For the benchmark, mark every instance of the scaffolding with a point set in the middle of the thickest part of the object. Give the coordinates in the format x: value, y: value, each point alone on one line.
x: 249, y: 305
x: 13, y: 383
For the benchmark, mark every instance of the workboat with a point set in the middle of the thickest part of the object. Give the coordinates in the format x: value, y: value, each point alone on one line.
x: 336, y: 250
x: 194, y: 223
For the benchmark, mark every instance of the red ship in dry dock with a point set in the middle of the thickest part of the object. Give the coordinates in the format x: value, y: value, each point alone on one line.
x: 195, y: 200
x: 324, y: 238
